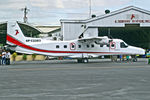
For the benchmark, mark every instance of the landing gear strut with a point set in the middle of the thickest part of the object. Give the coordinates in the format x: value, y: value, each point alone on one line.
x: 83, y: 60
x: 134, y: 58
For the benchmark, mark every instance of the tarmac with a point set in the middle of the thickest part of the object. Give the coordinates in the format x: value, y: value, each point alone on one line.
x: 69, y: 80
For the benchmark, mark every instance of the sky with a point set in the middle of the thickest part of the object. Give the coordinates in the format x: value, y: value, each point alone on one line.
x: 49, y: 12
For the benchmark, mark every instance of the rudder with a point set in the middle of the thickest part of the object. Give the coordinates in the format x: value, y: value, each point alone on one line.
x: 14, y: 32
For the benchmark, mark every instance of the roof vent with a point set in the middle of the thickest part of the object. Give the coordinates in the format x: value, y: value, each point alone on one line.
x: 107, y: 11
x: 93, y: 16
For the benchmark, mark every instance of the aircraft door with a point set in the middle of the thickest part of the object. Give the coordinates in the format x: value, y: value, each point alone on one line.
x: 112, y: 45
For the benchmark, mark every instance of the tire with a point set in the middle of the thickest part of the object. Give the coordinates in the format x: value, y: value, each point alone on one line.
x: 134, y: 59
x: 85, y: 60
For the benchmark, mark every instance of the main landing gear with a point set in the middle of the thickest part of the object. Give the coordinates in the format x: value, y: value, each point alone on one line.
x: 83, y: 60
x: 134, y: 58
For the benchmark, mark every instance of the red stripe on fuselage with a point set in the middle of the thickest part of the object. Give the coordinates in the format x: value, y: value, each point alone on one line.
x: 16, y: 42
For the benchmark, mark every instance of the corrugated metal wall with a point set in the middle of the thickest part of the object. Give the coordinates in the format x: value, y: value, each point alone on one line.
x: 72, y: 31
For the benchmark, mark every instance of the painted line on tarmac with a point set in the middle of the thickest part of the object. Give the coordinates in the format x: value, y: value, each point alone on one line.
x: 71, y: 68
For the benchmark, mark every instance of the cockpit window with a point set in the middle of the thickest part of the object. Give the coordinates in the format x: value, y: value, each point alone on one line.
x: 123, y: 45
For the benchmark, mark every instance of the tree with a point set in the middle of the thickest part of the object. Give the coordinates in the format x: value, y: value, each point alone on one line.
x: 33, y: 56
x: 14, y: 55
x: 24, y: 57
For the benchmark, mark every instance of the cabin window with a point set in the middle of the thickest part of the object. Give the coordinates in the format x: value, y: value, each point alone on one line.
x: 57, y: 46
x: 92, y: 45
x: 101, y: 45
x: 65, y: 46
x: 72, y: 46
x: 123, y: 45
x: 79, y: 46
x: 87, y: 46
x: 108, y: 45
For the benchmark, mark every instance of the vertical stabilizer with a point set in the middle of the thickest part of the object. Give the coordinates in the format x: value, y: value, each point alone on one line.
x: 14, y: 33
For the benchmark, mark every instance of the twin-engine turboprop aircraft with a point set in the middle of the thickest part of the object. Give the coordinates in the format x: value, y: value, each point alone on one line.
x: 81, y: 49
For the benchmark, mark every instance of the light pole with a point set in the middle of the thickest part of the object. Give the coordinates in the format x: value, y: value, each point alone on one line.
x: 25, y: 10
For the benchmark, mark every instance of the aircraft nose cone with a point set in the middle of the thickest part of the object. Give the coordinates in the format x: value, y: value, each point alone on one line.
x: 138, y: 51
x: 141, y: 51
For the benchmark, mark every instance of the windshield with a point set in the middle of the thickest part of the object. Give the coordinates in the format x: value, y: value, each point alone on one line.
x: 123, y: 45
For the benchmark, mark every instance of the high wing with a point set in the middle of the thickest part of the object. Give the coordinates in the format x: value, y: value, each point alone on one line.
x: 97, y: 40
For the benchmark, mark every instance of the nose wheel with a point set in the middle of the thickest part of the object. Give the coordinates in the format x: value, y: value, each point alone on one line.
x: 134, y: 58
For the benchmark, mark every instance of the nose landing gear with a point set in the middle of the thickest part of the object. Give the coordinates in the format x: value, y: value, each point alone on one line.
x: 134, y: 58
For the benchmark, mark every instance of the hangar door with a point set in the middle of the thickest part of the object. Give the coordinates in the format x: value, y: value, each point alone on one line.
x: 3, y: 33
x: 132, y: 34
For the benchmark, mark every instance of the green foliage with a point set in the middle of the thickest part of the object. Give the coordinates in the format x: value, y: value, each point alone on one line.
x: 1, y: 44
x: 14, y: 55
x: 24, y: 57
x: 34, y: 56
x: 148, y: 60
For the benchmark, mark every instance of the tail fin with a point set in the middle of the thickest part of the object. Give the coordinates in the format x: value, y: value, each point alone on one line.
x: 14, y: 33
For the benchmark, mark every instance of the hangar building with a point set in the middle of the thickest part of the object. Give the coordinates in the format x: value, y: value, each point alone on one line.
x: 132, y: 24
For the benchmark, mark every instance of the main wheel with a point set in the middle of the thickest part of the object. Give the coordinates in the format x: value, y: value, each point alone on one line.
x: 85, y: 60
x: 134, y: 59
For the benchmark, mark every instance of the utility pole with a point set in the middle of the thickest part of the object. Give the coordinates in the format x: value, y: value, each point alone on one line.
x: 25, y: 10
x: 90, y: 10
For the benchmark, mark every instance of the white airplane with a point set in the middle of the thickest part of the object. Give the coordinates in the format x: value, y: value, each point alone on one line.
x: 81, y: 49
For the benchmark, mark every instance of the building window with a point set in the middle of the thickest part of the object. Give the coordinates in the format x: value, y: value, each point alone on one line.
x: 79, y: 46
x: 57, y: 46
x: 65, y: 46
